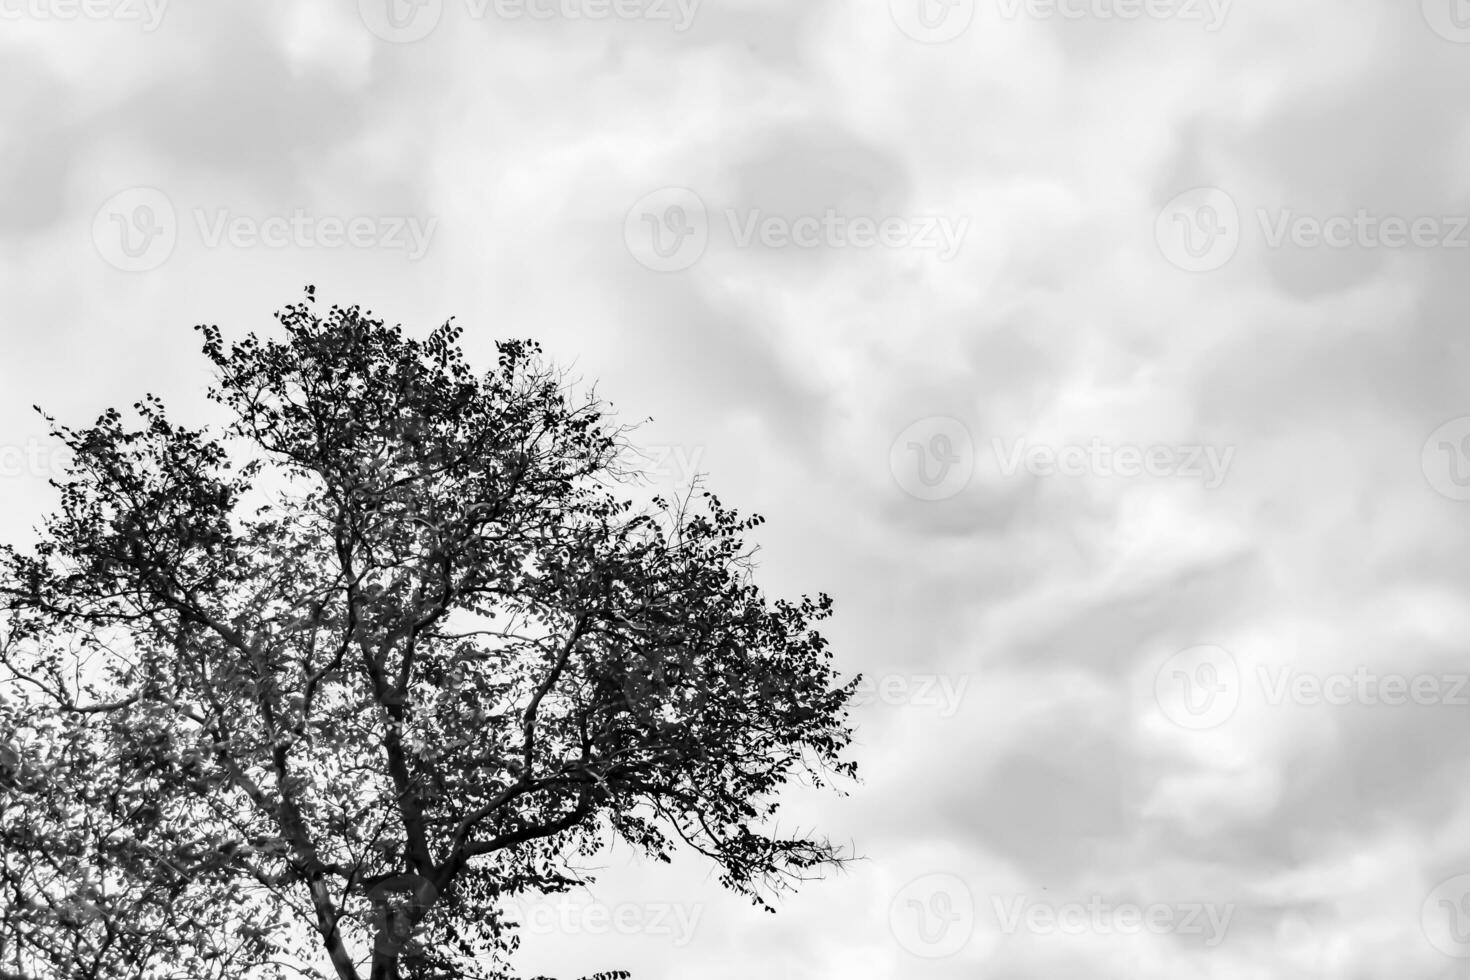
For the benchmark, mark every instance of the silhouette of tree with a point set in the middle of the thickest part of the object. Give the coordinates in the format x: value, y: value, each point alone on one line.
x: 317, y: 692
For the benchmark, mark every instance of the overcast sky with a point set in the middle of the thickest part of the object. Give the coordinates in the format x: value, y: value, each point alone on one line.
x: 1105, y: 360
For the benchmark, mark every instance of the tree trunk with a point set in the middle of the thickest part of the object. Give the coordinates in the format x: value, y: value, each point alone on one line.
x: 385, y: 963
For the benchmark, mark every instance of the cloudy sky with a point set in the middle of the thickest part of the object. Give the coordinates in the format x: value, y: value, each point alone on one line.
x: 1106, y: 361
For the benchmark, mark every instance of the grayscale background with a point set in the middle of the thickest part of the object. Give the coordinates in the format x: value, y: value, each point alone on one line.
x: 1106, y: 361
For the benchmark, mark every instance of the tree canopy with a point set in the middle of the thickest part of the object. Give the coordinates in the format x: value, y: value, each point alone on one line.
x: 315, y: 692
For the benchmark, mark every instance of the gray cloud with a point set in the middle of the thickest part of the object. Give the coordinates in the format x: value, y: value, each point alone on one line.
x: 1061, y: 321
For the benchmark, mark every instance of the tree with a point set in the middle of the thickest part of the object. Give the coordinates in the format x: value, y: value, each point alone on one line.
x: 315, y: 693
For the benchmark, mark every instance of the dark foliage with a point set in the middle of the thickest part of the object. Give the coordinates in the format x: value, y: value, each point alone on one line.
x: 322, y: 690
